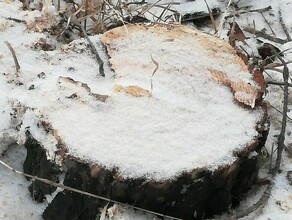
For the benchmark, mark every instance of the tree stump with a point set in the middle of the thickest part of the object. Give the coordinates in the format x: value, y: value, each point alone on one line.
x: 179, y: 132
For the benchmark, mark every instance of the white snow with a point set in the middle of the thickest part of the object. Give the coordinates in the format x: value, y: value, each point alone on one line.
x: 185, y: 118
x: 189, y: 7
x: 15, y: 201
x: 123, y: 124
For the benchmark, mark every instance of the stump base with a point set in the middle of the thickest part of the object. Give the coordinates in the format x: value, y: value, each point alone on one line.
x: 195, y: 195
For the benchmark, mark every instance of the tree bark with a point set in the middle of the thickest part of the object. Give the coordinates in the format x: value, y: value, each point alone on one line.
x: 199, y: 194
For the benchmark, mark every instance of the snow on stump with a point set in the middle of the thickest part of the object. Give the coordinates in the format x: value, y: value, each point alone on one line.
x: 177, y: 134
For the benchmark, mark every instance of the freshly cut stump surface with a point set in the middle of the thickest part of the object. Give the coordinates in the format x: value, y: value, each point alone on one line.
x: 176, y: 132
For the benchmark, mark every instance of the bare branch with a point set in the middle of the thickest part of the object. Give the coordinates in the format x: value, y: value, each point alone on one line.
x: 15, y: 20
x: 284, y: 26
x: 262, y: 201
x: 264, y: 35
x: 94, y: 51
x: 273, y: 65
x: 211, y: 16
x: 268, y: 23
x: 59, y: 185
x: 281, y: 137
x: 260, y: 10
x: 271, y: 159
x: 154, y: 71
x: 278, y: 83
x: 280, y: 112
x: 17, y: 66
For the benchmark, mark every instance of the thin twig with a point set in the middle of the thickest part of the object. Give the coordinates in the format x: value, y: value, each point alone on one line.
x: 278, y: 83
x: 211, y: 16
x: 272, y: 78
x: 162, y: 13
x: 273, y: 65
x: 262, y: 201
x: 268, y: 23
x: 284, y: 26
x: 15, y: 20
x: 271, y: 159
x: 85, y: 13
x: 260, y: 10
x: 280, y: 112
x: 222, y: 20
x: 254, y: 27
x: 274, y: 69
x: 59, y: 185
x: 281, y: 137
x: 269, y: 75
x: 17, y: 66
x: 58, y: 5
x: 154, y: 71
x: 264, y: 35
x: 94, y: 51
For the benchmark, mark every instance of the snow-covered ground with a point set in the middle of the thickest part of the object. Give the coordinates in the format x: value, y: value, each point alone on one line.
x: 15, y: 202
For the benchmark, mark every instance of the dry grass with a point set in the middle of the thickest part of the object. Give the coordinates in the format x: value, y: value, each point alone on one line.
x: 97, y: 16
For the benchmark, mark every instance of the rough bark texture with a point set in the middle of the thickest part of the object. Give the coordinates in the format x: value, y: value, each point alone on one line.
x: 195, y: 195
x: 37, y: 164
x: 69, y: 205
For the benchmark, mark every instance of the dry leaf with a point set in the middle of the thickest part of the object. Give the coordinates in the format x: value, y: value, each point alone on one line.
x: 135, y: 91
x: 235, y: 33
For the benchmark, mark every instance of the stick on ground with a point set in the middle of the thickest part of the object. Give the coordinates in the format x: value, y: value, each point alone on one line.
x: 262, y: 201
x: 94, y: 51
x: 278, y: 83
x: 59, y: 185
x: 17, y: 66
x: 281, y: 138
x: 264, y: 35
x: 284, y: 26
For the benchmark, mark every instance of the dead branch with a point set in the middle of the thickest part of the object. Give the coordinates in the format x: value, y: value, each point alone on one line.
x: 278, y: 83
x: 275, y: 69
x: 154, y: 71
x: 269, y: 75
x: 273, y: 79
x: 58, y: 5
x: 268, y: 23
x: 273, y: 65
x: 271, y: 159
x: 211, y: 16
x: 222, y: 20
x: 264, y: 35
x: 94, y: 51
x: 15, y: 20
x: 59, y: 185
x: 281, y: 137
x: 162, y: 13
x: 261, y: 203
x: 284, y: 26
x: 260, y: 10
x: 280, y: 112
x: 17, y: 66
